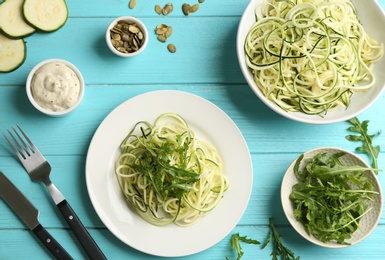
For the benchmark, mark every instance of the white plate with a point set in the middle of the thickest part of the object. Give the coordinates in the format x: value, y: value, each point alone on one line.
x: 372, y: 17
x: 368, y: 222
x: 209, y: 123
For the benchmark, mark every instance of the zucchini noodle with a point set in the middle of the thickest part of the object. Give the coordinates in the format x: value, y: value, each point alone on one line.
x: 310, y: 56
x: 167, y: 174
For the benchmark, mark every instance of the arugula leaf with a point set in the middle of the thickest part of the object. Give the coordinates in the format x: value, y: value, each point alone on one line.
x: 235, y: 243
x: 365, y: 138
x: 278, y: 248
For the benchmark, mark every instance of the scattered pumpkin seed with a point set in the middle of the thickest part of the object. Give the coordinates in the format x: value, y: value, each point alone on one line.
x: 132, y: 4
x: 163, y: 31
x: 158, y: 9
x: 168, y: 32
x: 171, y: 48
x: 162, y: 38
x: 194, y: 8
x: 186, y: 9
x: 126, y: 36
x: 167, y: 9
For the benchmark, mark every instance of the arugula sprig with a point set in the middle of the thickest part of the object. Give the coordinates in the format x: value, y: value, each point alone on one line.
x: 235, y: 243
x: 279, y: 249
x: 365, y: 138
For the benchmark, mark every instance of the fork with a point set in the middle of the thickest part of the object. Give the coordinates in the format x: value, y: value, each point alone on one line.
x: 39, y: 170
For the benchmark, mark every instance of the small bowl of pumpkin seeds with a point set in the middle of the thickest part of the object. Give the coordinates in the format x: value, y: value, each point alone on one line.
x: 126, y: 36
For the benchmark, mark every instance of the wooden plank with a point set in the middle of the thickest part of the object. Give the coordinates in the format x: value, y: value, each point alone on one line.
x: 115, y: 8
x: 371, y: 248
x: 205, y: 53
x: 69, y: 176
x: 261, y: 127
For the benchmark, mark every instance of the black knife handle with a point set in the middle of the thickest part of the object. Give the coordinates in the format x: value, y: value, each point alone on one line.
x: 85, y: 239
x: 53, y: 246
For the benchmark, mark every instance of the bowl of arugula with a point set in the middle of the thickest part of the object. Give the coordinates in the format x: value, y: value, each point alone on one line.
x: 331, y: 197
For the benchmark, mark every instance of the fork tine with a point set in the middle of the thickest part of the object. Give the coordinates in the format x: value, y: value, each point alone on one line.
x: 25, y: 148
x: 19, y: 146
x: 17, y: 152
x: 31, y: 145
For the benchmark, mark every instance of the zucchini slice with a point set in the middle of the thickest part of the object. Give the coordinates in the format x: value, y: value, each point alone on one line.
x: 46, y: 15
x: 12, y: 53
x: 12, y: 21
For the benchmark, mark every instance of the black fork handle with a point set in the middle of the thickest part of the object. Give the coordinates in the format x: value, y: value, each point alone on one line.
x: 85, y: 239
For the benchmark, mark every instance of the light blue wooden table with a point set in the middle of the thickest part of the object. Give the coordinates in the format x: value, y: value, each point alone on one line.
x: 205, y: 64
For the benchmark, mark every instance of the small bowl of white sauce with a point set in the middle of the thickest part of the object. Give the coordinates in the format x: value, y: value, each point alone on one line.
x: 55, y: 87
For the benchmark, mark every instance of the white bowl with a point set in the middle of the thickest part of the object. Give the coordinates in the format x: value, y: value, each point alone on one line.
x: 55, y: 79
x: 141, y: 26
x: 367, y: 223
x: 372, y: 17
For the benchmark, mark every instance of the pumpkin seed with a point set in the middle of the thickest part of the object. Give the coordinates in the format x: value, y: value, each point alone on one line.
x: 167, y: 9
x: 122, y: 49
x: 140, y: 35
x: 194, y: 8
x: 116, y: 30
x: 162, y: 38
x: 186, y: 9
x: 115, y: 36
x: 158, y: 9
x: 135, y: 43
x: 201, y: 1
x: 171, y: 48
x: 132, y: 4
x: 161, y: 29
x: 125, y: 37
x: 168, y: 32
x: 115, y: 43
x: 134, y: 29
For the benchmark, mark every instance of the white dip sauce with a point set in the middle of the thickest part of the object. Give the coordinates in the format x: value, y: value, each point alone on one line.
x: 55, y: 86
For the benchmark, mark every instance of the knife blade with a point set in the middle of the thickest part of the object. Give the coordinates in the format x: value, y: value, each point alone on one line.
x: 27, y: 212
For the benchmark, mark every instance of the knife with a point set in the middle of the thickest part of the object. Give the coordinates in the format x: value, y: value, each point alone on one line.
x: 29, y: 215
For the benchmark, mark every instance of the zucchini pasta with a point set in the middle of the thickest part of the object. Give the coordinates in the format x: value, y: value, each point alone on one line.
x: 310, y: 56
x: 167, y: 174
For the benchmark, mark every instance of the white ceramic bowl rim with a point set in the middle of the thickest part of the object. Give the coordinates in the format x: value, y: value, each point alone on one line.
x: 47, y: 111
x: 372, y: 17
x: 141, y: 25
x: 368, y: 222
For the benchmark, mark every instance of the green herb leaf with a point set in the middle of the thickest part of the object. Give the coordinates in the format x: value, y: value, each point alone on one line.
x: 365, y: 138
x: 235, y: 243
x: 278, y: 248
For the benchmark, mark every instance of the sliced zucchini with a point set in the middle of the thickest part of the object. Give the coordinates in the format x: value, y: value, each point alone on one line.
x: 12, y: 21
x: 12, y: 53
x: 46, y: 15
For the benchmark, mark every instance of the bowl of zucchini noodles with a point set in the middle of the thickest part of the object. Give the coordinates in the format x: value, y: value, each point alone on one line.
x: 316, y: 62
